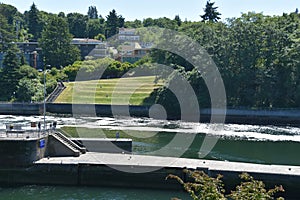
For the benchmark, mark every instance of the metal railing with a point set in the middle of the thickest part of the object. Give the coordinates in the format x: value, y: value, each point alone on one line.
x: 22, y: 131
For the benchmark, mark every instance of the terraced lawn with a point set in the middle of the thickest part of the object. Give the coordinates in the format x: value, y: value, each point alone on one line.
x: 121, y: 91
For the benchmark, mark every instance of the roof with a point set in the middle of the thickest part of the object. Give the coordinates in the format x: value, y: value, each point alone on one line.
x: 85, y: 41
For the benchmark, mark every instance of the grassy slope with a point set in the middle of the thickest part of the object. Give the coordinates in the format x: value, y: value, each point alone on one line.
x: 109, y: 91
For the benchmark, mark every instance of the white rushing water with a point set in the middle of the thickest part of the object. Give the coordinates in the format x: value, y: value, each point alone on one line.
x: 233, y: 131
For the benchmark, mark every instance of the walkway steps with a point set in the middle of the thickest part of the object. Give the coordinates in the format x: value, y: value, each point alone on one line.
x: 60, y: 145
x: 57, y: 91
x: 68, y: 141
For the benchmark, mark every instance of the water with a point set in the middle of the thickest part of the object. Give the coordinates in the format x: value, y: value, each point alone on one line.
x: 33, y: 192
x: 241, y: 143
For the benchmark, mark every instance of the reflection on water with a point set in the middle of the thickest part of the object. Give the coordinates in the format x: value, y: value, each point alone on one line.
x: 88, y: 193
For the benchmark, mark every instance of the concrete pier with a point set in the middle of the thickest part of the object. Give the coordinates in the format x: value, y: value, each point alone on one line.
x: 127, y: 170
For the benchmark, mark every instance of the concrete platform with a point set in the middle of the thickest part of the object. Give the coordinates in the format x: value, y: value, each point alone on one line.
x: 139, y: 171
x: 126, y: 170
x: 160, y: 162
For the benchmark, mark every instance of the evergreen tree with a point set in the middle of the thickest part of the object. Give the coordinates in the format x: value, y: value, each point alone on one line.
x: 93, y: 13
x: 10, y: 73
x: 121, y: 21
x: 112, y: 24
x: 56, y: 43
x: 211, y: 13
x: 9, y: 12
x: 6, y: 35
x: 178, y: 20
x: 62, y: 14
x: 34, y: 26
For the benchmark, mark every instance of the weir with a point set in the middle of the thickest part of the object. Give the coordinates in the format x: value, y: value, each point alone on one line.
x: 236, y: 116
x: 49, y: 157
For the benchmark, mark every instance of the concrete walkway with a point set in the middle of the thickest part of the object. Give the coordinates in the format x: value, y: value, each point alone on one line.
x: 162, y: 162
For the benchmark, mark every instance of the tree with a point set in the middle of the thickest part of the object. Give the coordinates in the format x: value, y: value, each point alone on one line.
x: 95, y: 27
x: 9, y: 12
x: 121, y: 21
x: 211, y: 13
x: 29, y: 90
x: 34, y: 26
x: 56, y: 43
x: 133, y: 24
x: 6, y: 35
x: 148, y: 22
x: 93, y: 13
x: 100, y: 37
x: 77, y: 24
x: 178, y: 20
x: 10, y: 73
x: 113, y: 22
x: 62, y: 14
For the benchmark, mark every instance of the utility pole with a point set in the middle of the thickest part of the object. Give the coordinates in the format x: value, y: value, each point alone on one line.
x: 45, y: 70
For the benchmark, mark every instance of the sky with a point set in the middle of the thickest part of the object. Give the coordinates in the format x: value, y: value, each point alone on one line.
x: 142, y: 9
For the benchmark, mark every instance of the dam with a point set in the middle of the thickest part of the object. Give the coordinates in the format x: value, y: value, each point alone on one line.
x: 48, y: 157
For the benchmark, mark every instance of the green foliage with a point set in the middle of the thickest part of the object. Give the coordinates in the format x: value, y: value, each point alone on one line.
x: 10, y: 73
x: 9, y: 12
x: 28, y: 72
x: 95, y: 69
x: 58, y: 52
x: 6, y: 33
x: 93, y: 13
x: 162, y: 22
x: 34, y: 22
x: 113, y: 22
x: 77, y: 24
x: 95, y: 28
x: 29, y: 90
x: 100, y: 37
x: 253, y: 189
x: 178, y: 20
x: 211, y: 14
x: 133, y: 24
x: 203, y: 187
x: 257, y: 56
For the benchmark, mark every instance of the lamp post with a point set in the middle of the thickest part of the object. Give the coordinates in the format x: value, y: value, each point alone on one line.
x: 45, y: 98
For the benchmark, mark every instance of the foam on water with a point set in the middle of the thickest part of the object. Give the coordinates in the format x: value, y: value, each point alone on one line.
x: 230, y: 131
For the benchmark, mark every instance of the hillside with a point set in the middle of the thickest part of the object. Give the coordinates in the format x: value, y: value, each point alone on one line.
x: 109, y: 91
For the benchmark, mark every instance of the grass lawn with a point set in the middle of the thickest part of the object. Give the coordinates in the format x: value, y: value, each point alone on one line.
x: 109, y: 91
x: 104, y: 133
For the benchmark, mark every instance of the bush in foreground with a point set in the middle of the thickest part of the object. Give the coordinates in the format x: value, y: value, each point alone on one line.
x: 206, y: 187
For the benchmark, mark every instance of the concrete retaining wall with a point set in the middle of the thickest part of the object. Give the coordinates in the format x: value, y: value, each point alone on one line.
x: 103, y: 175
x: 56, y: 147
x: 15, y: 153
x: 21, y: 108
x: 105, y: 145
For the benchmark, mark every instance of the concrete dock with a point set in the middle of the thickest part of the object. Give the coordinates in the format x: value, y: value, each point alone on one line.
x: 127, y: 170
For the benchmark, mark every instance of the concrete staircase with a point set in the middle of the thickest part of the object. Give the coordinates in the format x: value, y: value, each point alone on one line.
x: 60, y: 145
x: 57, y: 91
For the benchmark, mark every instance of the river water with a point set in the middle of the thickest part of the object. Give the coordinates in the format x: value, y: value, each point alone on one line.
x: 241, y: 143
